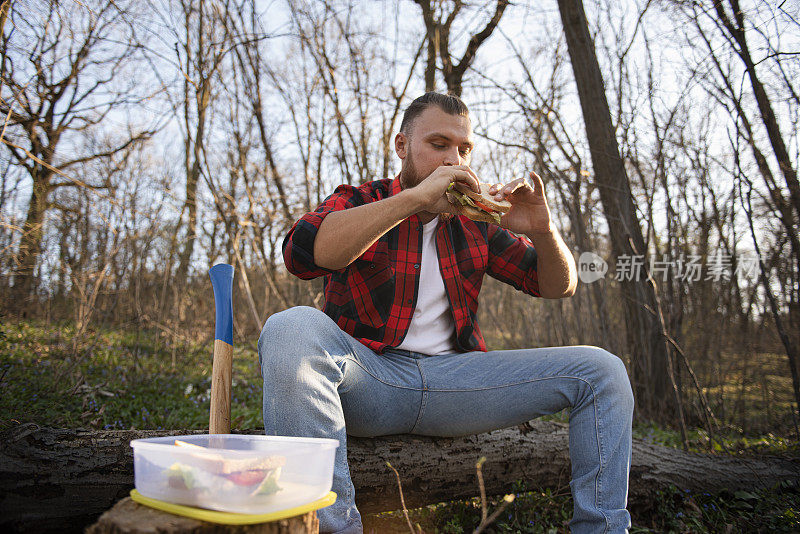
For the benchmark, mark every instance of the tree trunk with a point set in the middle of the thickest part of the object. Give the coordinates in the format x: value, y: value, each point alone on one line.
x: 194, y: 147
x: 63, y: 479
x: 30, y: 244
x: 438, y: 36
x: 737, y: 31
x: 192, y: 180
x: 128, y: 517
x: 648, y: 351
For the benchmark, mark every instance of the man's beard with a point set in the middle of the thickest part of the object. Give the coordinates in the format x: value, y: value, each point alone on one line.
x: 408, y: 173
x: 409, y: 177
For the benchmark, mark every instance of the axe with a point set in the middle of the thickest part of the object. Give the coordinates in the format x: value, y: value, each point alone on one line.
x: 220, y: 412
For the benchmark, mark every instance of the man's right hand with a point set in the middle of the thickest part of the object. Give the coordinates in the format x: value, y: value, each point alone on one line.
x: 430, y: 193
x: 345, y: 235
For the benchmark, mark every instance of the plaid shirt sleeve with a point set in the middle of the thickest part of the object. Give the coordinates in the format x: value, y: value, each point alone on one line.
x: 512, y: 260
x: 298, y: 245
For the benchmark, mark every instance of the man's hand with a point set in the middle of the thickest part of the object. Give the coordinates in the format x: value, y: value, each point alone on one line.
x: 430, y: 193
x: 529, y: 213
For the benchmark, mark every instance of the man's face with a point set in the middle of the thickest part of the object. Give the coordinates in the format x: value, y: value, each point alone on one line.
x: 435, y: 138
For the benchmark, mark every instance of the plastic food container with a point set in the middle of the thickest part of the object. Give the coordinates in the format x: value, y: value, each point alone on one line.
x: 234, y: 473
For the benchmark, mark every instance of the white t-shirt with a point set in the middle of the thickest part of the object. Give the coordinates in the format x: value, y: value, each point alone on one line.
x: 432, y: 328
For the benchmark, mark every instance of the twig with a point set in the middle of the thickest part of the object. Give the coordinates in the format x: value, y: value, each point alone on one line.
x: 8, y: 115
x: 508, y: 499
x: 659, y: 315
x: 711, y: 420
x: 74, y: 389
x: 42, y: 162
x: 478, y: 467
x: 402, y: 500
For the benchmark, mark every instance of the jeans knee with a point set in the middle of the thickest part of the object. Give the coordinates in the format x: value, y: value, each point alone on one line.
x: 291, y: 318
x: 613, y: 375
x: 289, y: 325
x: 283, y: 332
x: 294, y: 340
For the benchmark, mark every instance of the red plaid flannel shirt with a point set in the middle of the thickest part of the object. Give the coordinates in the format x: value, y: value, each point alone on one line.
x: 374, y: 298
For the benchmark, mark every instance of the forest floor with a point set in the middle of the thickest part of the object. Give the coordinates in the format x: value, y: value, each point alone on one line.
x: 53, y: 376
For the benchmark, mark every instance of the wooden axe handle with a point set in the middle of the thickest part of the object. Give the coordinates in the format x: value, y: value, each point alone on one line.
x: 220, y: 413
x: 220, y: 417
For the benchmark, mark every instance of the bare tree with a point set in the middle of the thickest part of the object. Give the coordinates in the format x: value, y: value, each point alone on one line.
x: 731, y: 25
x: 203, y: 50
x: 250, y: 65
x: 540, y: 132
x: 438, y: 27
x: 354, y: 94
x: 61, y: 70
x: 734, y: 28
x: 651, y: 368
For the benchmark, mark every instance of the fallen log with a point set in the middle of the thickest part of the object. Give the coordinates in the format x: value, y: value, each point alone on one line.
x: 63, y: 479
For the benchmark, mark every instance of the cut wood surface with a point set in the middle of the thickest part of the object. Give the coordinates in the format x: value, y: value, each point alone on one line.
x: 128, y: 517
x: 52, y: 478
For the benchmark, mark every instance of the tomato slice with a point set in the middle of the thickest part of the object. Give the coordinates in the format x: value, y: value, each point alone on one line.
x: 482, y: 206
x: 246, y: 478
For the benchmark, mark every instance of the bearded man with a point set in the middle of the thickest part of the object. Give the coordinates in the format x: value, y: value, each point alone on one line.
x: 397, y: 348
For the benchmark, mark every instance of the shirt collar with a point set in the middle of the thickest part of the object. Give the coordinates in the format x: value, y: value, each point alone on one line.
x: 394, y: 189
x: 394, y: 186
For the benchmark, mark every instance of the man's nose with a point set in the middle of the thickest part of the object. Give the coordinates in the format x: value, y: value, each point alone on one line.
x: 452, y: 157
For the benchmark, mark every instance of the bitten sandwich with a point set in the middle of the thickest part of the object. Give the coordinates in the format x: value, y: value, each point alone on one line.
x: 478, y: 206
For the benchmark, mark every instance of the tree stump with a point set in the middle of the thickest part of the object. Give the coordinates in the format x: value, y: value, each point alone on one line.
x: 129, y: 517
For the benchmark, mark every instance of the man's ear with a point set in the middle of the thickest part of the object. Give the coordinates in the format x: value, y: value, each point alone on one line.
x: 401, y: 145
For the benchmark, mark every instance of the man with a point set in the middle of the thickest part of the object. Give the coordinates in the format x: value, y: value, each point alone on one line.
x: 398, y: 348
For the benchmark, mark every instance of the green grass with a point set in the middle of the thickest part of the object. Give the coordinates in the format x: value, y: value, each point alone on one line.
x: 726, y: 441
x: 672, y: 510
x: 120, y: 379
x: 115, y: 380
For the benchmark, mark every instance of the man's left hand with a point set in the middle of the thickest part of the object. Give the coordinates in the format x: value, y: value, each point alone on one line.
x: 529, y: 213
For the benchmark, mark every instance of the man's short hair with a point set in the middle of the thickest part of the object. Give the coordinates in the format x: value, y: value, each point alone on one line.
x: 450, y: 104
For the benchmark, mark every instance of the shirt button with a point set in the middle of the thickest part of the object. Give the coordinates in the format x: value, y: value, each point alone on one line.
x: 371, y: 265
x: 409, y: 301
x: 416, y: 265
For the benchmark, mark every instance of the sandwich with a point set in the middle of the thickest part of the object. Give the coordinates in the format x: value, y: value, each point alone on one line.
x: 259, y: 475
x: 478, y: 206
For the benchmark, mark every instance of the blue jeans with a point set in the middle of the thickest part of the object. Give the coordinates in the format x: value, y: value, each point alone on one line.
x: 317, y: 379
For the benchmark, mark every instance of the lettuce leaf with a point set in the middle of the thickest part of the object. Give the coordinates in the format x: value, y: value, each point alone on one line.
x: 269, y: 485
x: 181, y: 476
x: 467, y: 201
